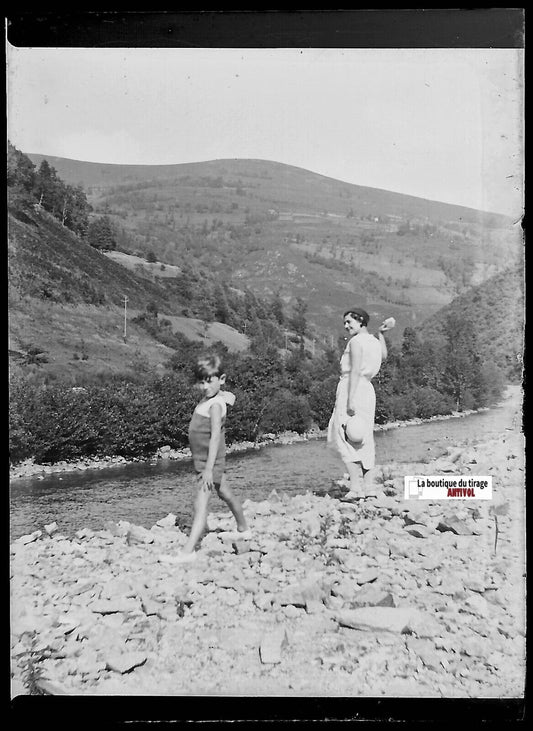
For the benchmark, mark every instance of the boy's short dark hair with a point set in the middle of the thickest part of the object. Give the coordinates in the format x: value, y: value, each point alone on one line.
x: 208, y: 365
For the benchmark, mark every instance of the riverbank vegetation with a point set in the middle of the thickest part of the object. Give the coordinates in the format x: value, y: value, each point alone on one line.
x: 276, y: 391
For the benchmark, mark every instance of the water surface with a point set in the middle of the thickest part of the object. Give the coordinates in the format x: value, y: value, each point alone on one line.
x: 142, y: 493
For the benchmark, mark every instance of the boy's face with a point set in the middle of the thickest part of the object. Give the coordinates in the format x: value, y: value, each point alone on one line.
x: 211, y: 385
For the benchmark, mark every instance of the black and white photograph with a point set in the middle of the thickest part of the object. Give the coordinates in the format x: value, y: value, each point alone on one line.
x: 266, y: 363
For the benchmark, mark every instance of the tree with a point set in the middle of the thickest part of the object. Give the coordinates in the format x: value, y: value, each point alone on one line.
x: 298, y: 321
x: 462, y: 359
x: 76, y: 210
x: 20, y: 170
x: 101, y: 234
x: 277, y: 308
x: 222, y: 309
x: 49, y: 189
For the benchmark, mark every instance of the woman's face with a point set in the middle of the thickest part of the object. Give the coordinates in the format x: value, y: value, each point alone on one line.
x: 351, y: 325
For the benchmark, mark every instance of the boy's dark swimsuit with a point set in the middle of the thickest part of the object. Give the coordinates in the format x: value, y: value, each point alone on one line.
x: 200, y: 434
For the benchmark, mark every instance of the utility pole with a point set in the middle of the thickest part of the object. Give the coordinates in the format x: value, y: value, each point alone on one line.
x: 125, y: 315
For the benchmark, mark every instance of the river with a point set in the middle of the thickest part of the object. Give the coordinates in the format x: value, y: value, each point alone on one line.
x: 144, y: 492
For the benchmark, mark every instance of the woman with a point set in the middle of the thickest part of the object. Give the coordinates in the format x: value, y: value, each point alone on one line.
x: 353, y: 438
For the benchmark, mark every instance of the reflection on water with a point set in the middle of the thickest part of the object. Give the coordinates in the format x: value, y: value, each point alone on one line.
x: 142, y: 493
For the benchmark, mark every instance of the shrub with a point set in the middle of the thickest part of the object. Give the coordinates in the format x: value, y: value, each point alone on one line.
x: 286, y: 412
x: 429, y: 402
x: 321, y: 400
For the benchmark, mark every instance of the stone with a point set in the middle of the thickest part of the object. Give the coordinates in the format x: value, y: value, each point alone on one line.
x: 169, y: 521
x: 345, y: 588
x: 443, y: 465
x: 241, y: 547
x: 370, y: 595
x: 431, y: 563
x: 386, y: 619
x: 475, y: 647
x: 84, y: 533
x: 110, y: 606
x: 386, y: 502
x: 313, y: 606
x: 51, y: 528
x: 413, y: 517
x: 263, y: 601
x: 114, y: 528
x: 478, y: 604
x: 366, y: 576
x: 137, y: 534
x: 425, y: 626
x: 150, y: 606
x: 123, y: 662
x: 81, y: 586
x: 418, y: 531
x: 117, y: 588
x: 88, y: 662
x: 454, y: 525
x: 299, y: 594
x: 271, y: 646
x: 29, y: 538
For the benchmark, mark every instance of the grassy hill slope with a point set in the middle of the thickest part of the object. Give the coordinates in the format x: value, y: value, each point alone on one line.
x: 497, y: 309
x: 66, y: 310
x: 286, y: 185
x: 47, y: 260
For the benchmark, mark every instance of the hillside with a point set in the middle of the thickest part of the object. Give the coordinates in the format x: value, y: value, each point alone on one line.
x: 278, y: 228
x: 497, y: 309
x: 66, y: 306
x: 273, y: 181
x: 48, y: 261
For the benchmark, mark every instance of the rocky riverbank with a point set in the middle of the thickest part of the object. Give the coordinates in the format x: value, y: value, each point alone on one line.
x: 379, y: 597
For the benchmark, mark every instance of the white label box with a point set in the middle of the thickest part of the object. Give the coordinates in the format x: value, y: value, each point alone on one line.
x: 448, y: 487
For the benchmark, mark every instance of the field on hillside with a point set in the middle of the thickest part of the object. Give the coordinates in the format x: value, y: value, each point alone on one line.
x: 151, y: 270
x: 86, y: 340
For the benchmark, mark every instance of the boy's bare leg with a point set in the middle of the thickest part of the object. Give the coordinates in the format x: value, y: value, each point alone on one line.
x: 225, y: 492
x: 199, y: 523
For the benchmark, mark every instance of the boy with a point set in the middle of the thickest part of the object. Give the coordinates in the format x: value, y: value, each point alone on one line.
x: 208, y: 447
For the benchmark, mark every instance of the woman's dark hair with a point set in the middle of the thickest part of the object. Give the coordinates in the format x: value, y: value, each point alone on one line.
x: 358, y: 314
x: 208, y: 365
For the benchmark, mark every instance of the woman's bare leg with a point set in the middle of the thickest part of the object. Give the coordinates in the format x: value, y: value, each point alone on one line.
x: 356, y: 478
x: 369, y: 482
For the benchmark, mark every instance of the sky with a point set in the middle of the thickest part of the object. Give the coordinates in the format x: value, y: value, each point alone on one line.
x: 445, y: 124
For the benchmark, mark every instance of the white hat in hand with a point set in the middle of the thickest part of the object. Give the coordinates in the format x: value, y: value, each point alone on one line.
x: 355, y: 429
